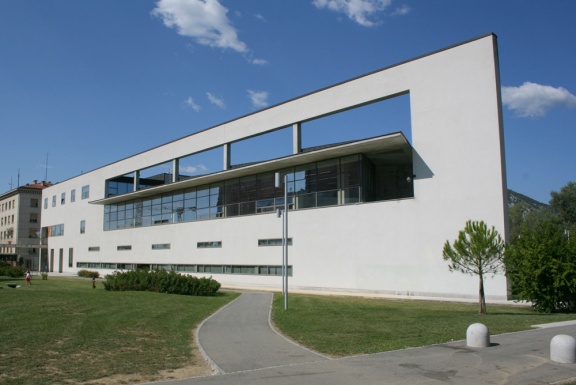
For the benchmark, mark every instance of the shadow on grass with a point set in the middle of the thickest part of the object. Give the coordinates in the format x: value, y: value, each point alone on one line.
x: 10, y: 279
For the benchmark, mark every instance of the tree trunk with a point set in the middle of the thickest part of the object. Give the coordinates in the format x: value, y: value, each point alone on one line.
x: 481, y: 299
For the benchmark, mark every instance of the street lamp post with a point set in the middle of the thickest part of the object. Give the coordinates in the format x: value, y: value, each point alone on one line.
x: 39, y: 234
x: 284, y: 237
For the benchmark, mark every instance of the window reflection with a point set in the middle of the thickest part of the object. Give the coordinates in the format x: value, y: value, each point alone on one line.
x: 347, y: 180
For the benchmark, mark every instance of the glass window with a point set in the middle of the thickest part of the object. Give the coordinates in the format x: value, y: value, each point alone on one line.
x: 266, y: 186
x: 216, y: 194
x: 82, y: 227
x: 56, y: 230
x: 248, y: 189
x: 178, y: 208
x: 62, y: 198
x: 45, y: 203
x: 73, y: 195
x: 273, y: 242
x: 212, y: 244
x: 327, y: 177
x: 351, y: 169
x: 53, y: 200
x: 347, y: 180
x: 86, y: 192
x: 232, y: 191
x: 34, y: 202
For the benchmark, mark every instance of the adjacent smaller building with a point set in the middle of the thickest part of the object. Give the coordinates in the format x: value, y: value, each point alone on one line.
x: 20, y: 238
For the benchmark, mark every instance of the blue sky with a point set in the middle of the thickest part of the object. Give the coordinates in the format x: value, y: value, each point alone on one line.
x: 86, y: 83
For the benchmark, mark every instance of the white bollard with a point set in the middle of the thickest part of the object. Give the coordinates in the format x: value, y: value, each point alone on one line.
x: 563, y: 349
x: 477, y: 336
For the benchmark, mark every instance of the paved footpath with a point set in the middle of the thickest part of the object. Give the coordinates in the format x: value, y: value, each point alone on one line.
x: 245, y: 350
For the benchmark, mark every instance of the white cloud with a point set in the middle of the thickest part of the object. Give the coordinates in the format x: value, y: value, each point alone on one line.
x: 217, y: 101
x: 259, y: 61
x: 192, y: 104
x: 259, y: 98
x: 193, y: 169
x: 534, y: 100
x: 401, y: 10
x: 357, y: 10
x: 203, y: 20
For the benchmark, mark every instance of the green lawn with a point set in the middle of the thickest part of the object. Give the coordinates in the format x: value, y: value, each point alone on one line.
x: 342, y: 326
x: 63, y: 331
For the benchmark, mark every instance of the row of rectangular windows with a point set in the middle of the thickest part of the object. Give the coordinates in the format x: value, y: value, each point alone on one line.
x: 85, y: 195
x: 12, y: 204
x: 199, y: 245
x: 7, y: 220
x: 8, y: 205
x: 211, y: 269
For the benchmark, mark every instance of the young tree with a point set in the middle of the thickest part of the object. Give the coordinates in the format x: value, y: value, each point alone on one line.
x: 477, y: 251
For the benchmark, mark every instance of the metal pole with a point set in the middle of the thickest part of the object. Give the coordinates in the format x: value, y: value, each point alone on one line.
x: 280, y: 214
x: 39, y: 250
x: 283, y: 256
x: 285, y: 241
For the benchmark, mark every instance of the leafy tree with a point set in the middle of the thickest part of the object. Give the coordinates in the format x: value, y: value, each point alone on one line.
x: 521, y: 216
x: 563, y: 203
x: 516, y: 216
x: 541, y: 266
x: 477, y: 251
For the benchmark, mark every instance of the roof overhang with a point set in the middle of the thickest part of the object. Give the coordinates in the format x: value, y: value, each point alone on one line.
x: 393, y: 148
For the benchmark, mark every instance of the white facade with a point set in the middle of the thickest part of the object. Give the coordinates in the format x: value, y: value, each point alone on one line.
x: 388, y: 246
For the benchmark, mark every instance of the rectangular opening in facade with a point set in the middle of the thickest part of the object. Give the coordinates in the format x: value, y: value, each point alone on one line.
x: 361, y: 122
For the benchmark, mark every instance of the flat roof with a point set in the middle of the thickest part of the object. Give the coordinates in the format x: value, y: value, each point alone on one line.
x: 387, y: 148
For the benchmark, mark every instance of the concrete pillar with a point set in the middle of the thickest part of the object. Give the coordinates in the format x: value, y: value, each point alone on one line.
x: 136, y: 180
x: 227, y: 156
x: 175, y: 170
x: 477, y: 336
x: 296, y: 138
x: 563, y: 349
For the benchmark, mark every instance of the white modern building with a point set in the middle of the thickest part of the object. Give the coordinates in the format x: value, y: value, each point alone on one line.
x: 368, y: 216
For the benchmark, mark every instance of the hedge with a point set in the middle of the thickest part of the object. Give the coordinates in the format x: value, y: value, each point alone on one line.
x: 161, y: 282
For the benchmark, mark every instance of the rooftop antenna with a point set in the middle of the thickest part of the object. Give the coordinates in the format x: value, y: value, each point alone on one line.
x: 10, y: 183
x: 18, y: 185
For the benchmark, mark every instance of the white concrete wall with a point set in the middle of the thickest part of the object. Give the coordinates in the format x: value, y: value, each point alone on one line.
x: 393, y: 246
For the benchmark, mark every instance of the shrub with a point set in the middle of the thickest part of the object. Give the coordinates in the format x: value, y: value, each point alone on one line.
x: 88, y: 274
x: 12, y: 271
x: 541, y: 265
x: 161, y: 282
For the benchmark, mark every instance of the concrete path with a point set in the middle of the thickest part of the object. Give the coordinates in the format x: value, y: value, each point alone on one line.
x: 239, y: 340
x: 239, y: 337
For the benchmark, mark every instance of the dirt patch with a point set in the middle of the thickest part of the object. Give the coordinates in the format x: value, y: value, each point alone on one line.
x: 200, y: 368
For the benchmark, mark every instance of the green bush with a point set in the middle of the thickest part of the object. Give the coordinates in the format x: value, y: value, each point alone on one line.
x: 88, y: 274
x: 161, y: 282
x: 12, y: 271
x: 541, y: 266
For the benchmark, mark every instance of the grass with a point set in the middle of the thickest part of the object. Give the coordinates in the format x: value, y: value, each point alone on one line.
x: 343, y: 326
x: 63, y: 331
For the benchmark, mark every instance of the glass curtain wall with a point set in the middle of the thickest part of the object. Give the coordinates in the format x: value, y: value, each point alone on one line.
x: 340, y: 181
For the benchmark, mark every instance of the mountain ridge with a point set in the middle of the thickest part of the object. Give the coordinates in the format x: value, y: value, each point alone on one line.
x: 515, y: 198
